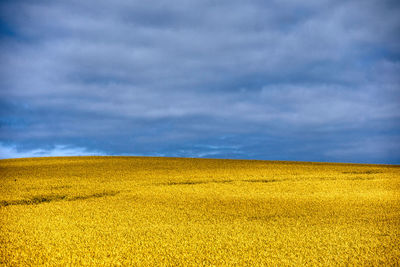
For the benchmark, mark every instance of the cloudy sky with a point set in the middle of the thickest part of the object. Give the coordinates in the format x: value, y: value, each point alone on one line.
x: 315, y: 80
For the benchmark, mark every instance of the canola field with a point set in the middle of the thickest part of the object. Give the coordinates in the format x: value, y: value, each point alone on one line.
x: 146, y: 211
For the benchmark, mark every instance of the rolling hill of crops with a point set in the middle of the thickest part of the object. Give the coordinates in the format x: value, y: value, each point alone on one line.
x: 172, y: 211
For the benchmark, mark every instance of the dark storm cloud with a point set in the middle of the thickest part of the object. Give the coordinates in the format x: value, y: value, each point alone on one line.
x: 295, y: 80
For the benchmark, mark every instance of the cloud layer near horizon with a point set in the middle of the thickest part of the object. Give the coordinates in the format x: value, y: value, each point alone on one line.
x: 287, y: 80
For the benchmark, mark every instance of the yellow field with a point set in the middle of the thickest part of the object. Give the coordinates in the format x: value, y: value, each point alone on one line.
x: 170, y: 211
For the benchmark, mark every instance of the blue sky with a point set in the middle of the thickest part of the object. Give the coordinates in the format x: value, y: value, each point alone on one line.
x: 276, y: 80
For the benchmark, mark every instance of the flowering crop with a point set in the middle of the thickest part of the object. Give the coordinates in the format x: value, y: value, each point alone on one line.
x: 172, y: 211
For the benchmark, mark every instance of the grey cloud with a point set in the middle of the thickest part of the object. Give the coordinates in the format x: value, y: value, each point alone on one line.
x: 7, y: 151
x: 197, y: 70
x: 373, y: 148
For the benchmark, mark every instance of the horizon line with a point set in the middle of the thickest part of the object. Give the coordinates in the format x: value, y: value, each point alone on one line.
x: 198, y: 158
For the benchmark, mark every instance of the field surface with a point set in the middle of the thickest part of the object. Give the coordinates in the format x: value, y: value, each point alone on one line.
x: 170, y: 211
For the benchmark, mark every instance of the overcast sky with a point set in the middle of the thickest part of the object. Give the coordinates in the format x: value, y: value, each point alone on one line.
x: 315, y: 80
